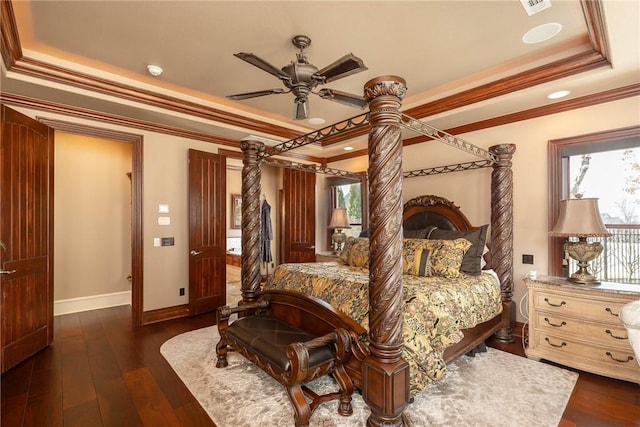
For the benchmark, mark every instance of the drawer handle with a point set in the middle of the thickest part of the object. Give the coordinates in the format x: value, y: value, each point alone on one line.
x: 555, y: 345
x: 615, y: 336
x: 555, y: 325
x: 608, y: 310
x: 629, y: 358
x: 555, y: 305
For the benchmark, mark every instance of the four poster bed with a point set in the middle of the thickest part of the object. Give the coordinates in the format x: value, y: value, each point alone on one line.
x: 404, y: 302
x: 446, y: 312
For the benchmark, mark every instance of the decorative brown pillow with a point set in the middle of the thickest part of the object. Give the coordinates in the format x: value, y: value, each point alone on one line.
x: 422, y: 263
x: 343, y: 257
x: 445, y: 256
x: 420, y: 233
x: 472, y: 261
x: 355, y: 252
x: 359, y: 253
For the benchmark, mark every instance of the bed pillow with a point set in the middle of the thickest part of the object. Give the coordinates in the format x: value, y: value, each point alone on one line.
x: 472, y: 261
x: 422, y: 263
x: 444, y: 257
x: 447, y: 255
x: 355, y: 252
x: 359, y: 253
x: 343, y: 256
x: 420, y: 233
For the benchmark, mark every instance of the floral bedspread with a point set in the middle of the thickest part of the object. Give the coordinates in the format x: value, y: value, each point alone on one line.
x: 435, y: 309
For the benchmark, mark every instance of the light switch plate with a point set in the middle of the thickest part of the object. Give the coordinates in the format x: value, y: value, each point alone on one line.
x: 163, y: 209
x: 164, y: 220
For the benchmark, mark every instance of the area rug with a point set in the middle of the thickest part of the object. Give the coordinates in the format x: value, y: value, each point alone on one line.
x: 491, y: 389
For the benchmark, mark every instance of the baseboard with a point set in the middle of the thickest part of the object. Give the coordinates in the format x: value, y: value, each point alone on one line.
x: 93, y: 302
x: 161, y: 314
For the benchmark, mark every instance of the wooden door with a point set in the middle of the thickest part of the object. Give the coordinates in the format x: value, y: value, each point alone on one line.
x: 26, y: 228
x: 299, y: 216
x: 207, y: 231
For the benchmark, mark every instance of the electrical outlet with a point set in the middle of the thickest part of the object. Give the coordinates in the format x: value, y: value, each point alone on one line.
x: 181, y: 292
x: 527, y: 259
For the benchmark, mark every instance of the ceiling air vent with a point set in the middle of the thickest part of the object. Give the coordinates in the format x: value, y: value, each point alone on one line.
x: 534, y: 6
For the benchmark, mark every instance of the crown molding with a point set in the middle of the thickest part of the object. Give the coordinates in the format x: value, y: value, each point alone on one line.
x: 15, y: 61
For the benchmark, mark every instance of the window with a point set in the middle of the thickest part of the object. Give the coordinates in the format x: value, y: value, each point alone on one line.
x: 349, y: 196
x: 604, y: 166
x: 348, y: 193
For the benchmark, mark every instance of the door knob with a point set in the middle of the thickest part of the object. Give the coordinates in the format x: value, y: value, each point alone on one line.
x: 7, y: 272
x: 194, y: 252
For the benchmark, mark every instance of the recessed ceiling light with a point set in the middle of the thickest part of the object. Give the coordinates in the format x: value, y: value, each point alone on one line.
x: 541, y: 33
x: 316, y: 121
x: 154, y: 70
x: 558, y: 94
x: 348, y: 148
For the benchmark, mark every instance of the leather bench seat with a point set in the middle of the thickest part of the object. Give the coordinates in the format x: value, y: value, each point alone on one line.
x: 269, y: 337
x: 290, y: 355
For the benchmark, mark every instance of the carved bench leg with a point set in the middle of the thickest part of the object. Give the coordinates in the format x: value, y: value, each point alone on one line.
x: 346, y: 390
x: 221, y: 351
x: 300, y: 405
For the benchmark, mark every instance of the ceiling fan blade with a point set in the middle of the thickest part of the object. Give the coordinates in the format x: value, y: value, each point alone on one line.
x: 262, y: 64
x: 343, y: 97
x: 302, y: 108
x: 255, y: 94
x: 343, y: 67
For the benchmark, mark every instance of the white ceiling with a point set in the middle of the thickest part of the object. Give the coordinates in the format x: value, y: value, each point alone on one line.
x: 439, y: 47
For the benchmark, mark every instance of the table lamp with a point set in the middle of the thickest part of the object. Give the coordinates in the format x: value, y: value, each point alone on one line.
x: 581, y: 218
x: 339, y: 221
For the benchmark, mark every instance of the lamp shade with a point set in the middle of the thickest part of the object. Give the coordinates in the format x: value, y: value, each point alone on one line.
x: 339, y: 219
x: 579, y: 218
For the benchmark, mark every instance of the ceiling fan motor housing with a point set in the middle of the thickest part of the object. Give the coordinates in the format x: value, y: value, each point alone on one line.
x: 301, y: 73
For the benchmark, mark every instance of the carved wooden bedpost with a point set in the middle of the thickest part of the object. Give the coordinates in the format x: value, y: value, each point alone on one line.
x: 502, y: 233
x: 251, y: 189
x: 386, y: 373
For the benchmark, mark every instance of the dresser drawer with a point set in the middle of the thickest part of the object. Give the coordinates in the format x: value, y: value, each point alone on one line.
x: 611, y: 362
x: 592, y: 309
x: 599, y: 334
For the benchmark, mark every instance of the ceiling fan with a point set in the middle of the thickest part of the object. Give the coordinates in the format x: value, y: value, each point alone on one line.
x: 301, y: 78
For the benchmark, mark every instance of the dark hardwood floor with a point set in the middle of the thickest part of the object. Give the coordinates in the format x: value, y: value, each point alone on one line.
x: 101, y: 371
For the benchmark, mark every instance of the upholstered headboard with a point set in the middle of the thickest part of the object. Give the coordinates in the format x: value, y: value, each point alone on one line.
x: 423, y: 211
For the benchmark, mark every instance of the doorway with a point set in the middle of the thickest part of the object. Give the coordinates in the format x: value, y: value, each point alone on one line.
x: 136, y: 142
x: 92, y: 223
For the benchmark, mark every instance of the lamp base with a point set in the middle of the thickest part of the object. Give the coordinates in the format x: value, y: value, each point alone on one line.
x: 584, y: 279
x: 338, y: 238
x: 583, y: 252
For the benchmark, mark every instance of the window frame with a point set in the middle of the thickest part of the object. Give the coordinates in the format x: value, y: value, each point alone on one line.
x: 332, y: 183
x: 558, y: 179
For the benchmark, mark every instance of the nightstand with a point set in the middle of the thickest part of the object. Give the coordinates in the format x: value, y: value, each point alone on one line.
x: 579, y: 326
x: 326, y: 256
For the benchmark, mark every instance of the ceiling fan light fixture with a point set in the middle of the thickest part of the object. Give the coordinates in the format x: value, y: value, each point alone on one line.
x: 154, y: 70
x: 301, y: 108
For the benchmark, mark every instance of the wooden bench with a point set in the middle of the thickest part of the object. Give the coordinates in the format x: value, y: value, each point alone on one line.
x: 289, y: 354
